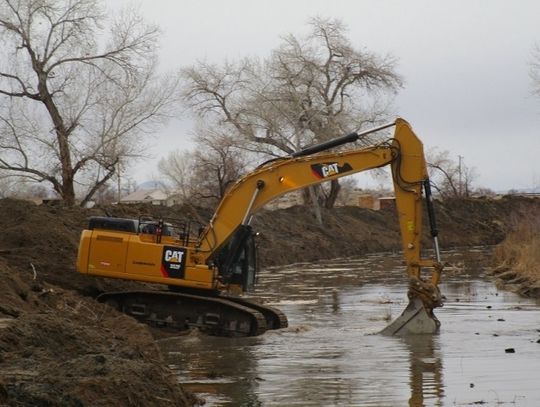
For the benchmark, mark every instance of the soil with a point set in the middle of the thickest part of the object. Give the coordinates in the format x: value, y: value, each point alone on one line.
x: 293, y: 235
x: 58, y: 346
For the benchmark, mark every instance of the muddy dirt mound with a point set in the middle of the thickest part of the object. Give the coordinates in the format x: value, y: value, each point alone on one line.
x: 39, y: 236
x: 293, y: 235
x: 58, y: 348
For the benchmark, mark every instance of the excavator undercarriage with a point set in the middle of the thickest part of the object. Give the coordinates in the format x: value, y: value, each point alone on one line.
x: 220, y: 315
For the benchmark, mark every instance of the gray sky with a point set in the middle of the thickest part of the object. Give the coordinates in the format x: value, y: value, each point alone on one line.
x: 465, y: 65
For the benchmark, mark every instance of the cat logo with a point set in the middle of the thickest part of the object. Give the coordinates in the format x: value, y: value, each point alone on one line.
x: 174, y: 256
x: 326, y: 170
x: 173, y: 262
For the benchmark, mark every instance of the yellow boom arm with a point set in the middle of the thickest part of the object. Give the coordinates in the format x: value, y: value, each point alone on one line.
x: 405, y: 155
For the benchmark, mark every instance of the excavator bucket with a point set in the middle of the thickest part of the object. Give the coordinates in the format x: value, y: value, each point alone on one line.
x: 415, y: 319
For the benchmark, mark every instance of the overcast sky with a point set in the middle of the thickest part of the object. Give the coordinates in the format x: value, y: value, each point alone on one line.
x: 465, y: 65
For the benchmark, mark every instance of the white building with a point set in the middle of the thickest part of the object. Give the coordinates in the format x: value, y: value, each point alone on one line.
x: 152, y: 196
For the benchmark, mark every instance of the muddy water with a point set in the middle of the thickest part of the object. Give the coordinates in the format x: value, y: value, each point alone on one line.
x: 330, y: 357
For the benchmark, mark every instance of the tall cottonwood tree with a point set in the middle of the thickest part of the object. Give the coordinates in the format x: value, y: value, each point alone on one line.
x: 76, y: 98
x: 310, y: 89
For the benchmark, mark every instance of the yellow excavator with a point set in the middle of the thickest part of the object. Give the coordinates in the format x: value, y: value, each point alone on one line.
x: 206, y: 271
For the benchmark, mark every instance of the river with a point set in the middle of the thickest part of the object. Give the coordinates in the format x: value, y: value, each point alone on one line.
x: 487, y: 352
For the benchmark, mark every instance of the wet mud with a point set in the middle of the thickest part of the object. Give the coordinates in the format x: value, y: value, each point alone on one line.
x: 485, y: 354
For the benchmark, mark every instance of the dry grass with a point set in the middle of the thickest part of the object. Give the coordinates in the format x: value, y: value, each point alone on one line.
x: 520, y: 251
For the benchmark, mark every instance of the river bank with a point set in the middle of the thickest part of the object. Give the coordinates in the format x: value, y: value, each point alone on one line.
x: 59, y: 346
x: 518, y: 256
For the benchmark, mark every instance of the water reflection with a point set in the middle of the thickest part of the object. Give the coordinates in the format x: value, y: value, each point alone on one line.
x: 220, y: 370
x: 330, y: 357
x: 426, y: 370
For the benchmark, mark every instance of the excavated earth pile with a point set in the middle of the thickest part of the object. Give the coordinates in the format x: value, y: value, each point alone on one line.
x: 58, y: 346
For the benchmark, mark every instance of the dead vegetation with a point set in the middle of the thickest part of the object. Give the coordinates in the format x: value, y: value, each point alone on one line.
x: 518, y: 255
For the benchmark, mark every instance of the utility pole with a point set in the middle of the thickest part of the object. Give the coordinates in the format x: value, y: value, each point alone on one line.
x: 119, y: 190
x: 460, y: 157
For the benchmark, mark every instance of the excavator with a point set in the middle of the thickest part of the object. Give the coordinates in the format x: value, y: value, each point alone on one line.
x: 206, y: 271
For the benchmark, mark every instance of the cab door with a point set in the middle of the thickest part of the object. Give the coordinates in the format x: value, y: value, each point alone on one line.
x: 237, y: 261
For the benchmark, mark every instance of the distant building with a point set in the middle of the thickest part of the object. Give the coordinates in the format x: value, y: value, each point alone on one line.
x: 387, y: 202
x: 368, y: 201
x: 365, y: 201
x: 152, y: 196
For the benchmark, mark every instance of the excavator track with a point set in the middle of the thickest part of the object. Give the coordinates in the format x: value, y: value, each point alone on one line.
x: 275, y: 319
x: 219, y: 316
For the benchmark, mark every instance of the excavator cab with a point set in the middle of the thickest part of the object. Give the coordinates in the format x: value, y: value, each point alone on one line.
x: 237, y: 260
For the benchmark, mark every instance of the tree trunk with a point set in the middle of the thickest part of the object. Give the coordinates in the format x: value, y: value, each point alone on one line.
x: 62, y: 135
x: 315, y: 205
x: 330, y: 200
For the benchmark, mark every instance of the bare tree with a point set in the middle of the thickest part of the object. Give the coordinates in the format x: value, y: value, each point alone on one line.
x: 74, y: 99
x: 11, y: 187
x: 177, y: 170
x: 309, y: 90
x: 534, y: 71
x: 349, y: 188
x: 450, y: 178
x: 205, y: 173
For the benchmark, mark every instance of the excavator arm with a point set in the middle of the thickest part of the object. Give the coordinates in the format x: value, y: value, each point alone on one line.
x: 404, y: 153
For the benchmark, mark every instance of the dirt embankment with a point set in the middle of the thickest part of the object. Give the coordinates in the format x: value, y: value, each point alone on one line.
x: 60, y: 347
x: 292, y: 235
x: 518, y: 256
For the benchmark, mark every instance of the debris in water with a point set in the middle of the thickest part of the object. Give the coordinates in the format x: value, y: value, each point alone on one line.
x: 500, y: 319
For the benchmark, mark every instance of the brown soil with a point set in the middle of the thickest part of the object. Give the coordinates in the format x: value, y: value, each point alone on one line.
x: 60, y: 347
x: 293, y: 236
